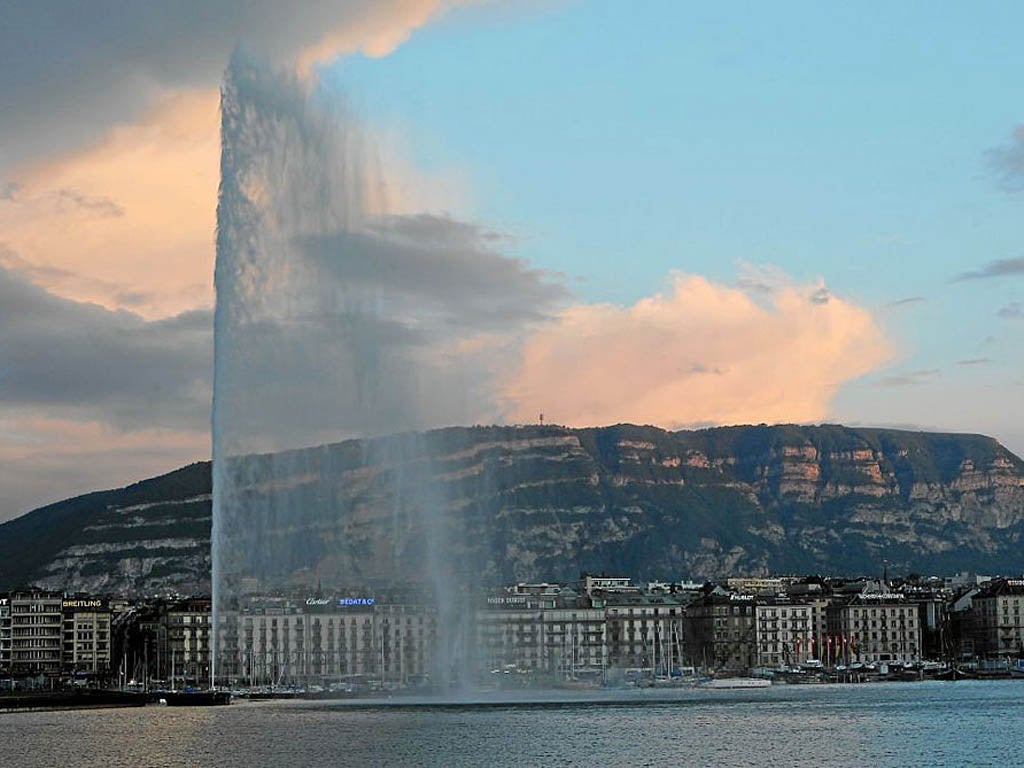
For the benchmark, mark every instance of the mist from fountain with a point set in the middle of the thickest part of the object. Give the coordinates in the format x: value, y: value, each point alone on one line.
x: 336, y: 318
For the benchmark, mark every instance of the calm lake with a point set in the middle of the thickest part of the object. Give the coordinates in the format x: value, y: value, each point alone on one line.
x: 913, y: 724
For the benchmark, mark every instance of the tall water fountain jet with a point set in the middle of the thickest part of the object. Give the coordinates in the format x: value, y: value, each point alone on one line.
x: 338, y: 319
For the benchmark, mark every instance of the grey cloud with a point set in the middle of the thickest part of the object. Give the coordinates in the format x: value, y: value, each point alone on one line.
x: 133, y: 298
x: 753, y: 286
x: 101, y: 206
x: 88, y: 362
x: 997, y: 268
x: 911, y: 379
x: 438, y: 230
x: 441, y: 283
x: 1012, y: 311
x: 346, y: 367
x: 79, y: 67
x: 761, y: 282
x: 975, y: 361
x: 1008, y: 162
x: 62, y: 278
x: 820, y: 296
x: 906, y: 302
x: 435, y: 264
x: 700, y: 368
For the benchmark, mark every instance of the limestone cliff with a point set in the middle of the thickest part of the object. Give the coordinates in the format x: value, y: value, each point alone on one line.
x: 546, y: 502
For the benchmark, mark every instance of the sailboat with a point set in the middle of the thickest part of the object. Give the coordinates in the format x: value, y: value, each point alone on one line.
x: 191, y: 696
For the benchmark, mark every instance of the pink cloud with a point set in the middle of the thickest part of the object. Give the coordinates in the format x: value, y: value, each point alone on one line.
x: 376, y: 34
x: 126, y: 222
x: 701, y: 353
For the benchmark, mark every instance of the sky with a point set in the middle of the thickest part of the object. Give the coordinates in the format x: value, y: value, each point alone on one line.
x: 786, y: 212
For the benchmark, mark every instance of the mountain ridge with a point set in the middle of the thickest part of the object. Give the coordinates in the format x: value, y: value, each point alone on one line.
x: 630, y: 499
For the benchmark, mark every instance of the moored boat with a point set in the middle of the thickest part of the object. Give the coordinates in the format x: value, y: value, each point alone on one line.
x: 195, y: 698
x: 720, y: 683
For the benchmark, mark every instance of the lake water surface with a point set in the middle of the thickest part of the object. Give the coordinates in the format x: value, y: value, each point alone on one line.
x: 915, y: 724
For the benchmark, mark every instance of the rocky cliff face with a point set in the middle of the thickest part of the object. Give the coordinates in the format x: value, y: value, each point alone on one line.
x: 148, y: 538
x: 547, y: 502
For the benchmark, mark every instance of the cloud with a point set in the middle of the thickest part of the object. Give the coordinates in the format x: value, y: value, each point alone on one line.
x: 760, y: 280
x: 905, y: 302
x: 335, y: 364
x: 1012, y: 311
x: 114, y: 203
x: 997, y: 268
x: 975, y: 361
x: 126, y: 222
x: 701, y: 353
x: 78, y: 68
x: 820, y: 296
x: 91, y: 398
x: 86, y: 363
x: 911, y: 379
x: 436, y: 265
x: 101, y: 206
x: 52, y: 276
x: 1008, y: 162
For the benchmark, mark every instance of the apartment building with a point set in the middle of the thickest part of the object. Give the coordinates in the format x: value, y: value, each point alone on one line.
x: 784, y: 632
x: 874, y: 627
x: 997, y: 623
x: 37, y: 627
x: 87, y: 641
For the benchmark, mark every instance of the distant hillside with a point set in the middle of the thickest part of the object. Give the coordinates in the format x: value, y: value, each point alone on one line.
x: 149, y: 536
x: 640, y: 501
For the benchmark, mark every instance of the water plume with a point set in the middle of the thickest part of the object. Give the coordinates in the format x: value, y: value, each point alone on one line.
x: 337, y: 319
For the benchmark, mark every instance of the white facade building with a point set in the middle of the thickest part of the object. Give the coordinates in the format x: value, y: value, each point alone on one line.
x: 281, y: 641
x: 783, y: 632
x: 86, y: 635
x: 997, y: 614
x: 875, y: 627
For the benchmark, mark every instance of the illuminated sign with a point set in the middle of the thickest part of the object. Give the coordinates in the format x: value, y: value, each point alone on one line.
x: 887, y: 596
x: 346, y: 602
x: 318, y: 601
x: 93, y: 603
x: 506, y: 600
x: 1015, y: 583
